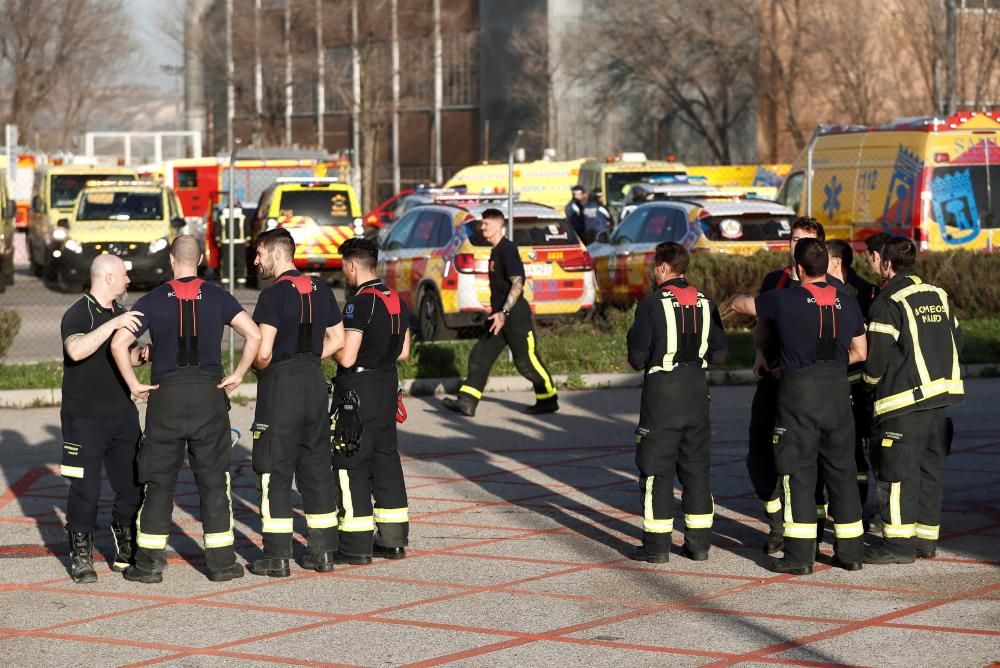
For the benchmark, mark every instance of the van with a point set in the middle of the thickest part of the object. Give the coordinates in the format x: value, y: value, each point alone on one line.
x: 936, y: 181
x: 616, y: 177
x: 545, y: 182
x: 8, y: 213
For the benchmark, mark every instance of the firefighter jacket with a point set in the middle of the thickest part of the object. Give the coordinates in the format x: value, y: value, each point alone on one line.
x: 913, y: 343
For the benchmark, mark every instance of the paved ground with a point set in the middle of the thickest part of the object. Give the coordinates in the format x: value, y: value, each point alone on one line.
x: 520, y: 526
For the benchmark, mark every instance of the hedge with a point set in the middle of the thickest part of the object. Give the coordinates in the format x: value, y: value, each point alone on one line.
x: 10, y: 324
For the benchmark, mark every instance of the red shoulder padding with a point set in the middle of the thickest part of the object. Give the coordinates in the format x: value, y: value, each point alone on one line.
x: 186, y: 291
x: 302, y: 283
x: 825, y: 296
x: 685, y: 296
x: 786, y: 276
x: 390, y: 300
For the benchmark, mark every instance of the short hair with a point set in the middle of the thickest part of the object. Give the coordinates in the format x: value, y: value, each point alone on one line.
x: 839, y: 248
x: 812, y: 256
x: 186, y: 250
x: 810, y: 225
x: 900, y: 253
x: 495, y: 214
x: 362, y: 250
x: 279, y: 238
x: 674, y: 255
x: 577, y: 188
x: 102, y: 265
x: 876, y: 242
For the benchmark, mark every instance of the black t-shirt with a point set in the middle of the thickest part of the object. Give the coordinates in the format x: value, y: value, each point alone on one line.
x: 382, y: 334
x: 92, y: 387
x: 505, y: 263
x: 280, y: 306
x: 214, y: 307
x: 796, y: 316
x: 862, y: 290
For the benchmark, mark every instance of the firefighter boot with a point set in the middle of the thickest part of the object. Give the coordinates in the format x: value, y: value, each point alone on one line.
x: 389, y: 552
x: 891, y: 551
x: 81, y: 552
x: 543, y: 406
x: 463, y: 404
x: 124, y: 546
x: 776, y: 535
x: 271, y: 567
x: 321, y: 563
x: 641, y: 554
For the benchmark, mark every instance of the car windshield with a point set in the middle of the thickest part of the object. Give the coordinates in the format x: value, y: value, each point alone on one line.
x: 65, y: 187
x: 408, y: 202
x: 121, y: 206
x: 531, y: 232
x: 747, y: 227
x: 324, y: 207
x: 966, y: 199
x: 617, y: 183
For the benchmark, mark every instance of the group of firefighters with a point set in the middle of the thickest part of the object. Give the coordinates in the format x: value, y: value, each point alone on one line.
x: 848, y: 374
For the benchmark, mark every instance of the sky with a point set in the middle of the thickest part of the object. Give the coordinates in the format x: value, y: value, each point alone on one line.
x: 157, y: 50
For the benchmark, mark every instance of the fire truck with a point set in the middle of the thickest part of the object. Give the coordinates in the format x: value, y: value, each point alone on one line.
x: 21, y: 179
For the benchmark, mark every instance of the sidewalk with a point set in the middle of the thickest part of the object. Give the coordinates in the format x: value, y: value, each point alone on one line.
x: 520, y: 527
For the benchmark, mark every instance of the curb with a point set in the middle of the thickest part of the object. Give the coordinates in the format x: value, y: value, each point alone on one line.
x: 423, y: 387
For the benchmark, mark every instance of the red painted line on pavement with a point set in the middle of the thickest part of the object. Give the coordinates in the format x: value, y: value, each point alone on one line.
x: 23, y: 484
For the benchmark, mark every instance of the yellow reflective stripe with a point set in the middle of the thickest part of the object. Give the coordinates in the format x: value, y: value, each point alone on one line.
x: 772, y: 506
x: 862, y: 477
x: 550, y: 391
x: 821, y: 512
x: 854, y: 377
x: 788, y: 498
x: 658, y: 526
x: 918, y: 355
x: 151, y: 541
x: 647, y: 499
x: 471, y: 391
x: 671, y: 319
x: 221, y: 539
x: 850, y: 530
x: 265, y: 504
x: 907, y: 397
x: 871, y: 380
x: 895, y: 515
x: 927, y: 531
x: 71, y: 471
x: 358, y: 524
x: 899, y: 530
x: 649, y: 521
x: 800, y: 530
x: 883, y: 328
x: 700, y: 521
x: 320, y: 520
x: 887, y: 442
x: 706, y: 325
x: 392, y: 515
x: 277, y: 524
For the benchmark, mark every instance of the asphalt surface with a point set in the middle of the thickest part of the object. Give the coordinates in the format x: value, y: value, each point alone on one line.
x: 520, y: 527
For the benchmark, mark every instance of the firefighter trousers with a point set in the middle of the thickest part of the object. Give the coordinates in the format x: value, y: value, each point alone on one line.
x: 911, y: 451
x: 814, y: 436
x: 371, y: 470
x: 674, y: 438
x: 760, y: 454
x: 861, y: 407
x: 518, y: 333
x: 291, y: 436
x: 187, y: 413
x: 88, y: 445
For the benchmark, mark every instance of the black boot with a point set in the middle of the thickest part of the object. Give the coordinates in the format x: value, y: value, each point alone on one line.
x: 389, y: 552
x: 463, y: 404
x: 640, y: 554
x: 543, y: 406
x: 271, y: 567
x: 321, y: 563
x: 786, y: 567
x: 81, y: 552
x: 891, y: 551
x: 776, y: 534
x: 124, y: 547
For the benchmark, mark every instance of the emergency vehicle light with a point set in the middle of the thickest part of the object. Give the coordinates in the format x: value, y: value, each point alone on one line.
x: 578, y: 262
x: 308, y: 180
x: 97, y: 183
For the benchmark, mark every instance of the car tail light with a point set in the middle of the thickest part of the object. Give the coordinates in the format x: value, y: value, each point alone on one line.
x: 578, y: 262
x: 465, y: 263
x: 372, y: 219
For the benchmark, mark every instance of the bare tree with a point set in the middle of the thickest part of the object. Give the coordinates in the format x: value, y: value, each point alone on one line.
x: 979, y: 54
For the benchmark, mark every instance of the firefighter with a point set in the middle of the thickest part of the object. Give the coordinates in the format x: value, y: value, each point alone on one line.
x: 100, y: 425
x: 676, y: 333
x: 818, y: 330
x: 300, y: 324
x: 188, y: 410
x: 841, y: 261
x: 509, y: 325
x: 873, y: 252
x: 914, y: 369
x: 367, y: 386
x: 760, y: 455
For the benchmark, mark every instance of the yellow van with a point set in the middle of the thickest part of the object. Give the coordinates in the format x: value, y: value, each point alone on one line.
x: 54, y: 195
x: 758, y: 181
x: 936, y: 181
x: 8, y: 212
x: 616, y: 177
x: 546, y: 182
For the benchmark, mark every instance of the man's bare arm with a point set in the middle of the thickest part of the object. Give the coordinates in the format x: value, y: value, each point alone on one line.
x: 516, y: 288
x: 81, y: 346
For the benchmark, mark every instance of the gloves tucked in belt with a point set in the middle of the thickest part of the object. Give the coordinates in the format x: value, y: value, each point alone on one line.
x: 346, y: 428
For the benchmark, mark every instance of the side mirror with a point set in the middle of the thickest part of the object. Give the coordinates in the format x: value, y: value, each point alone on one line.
x: 178, y: 222
x: 63, y: 222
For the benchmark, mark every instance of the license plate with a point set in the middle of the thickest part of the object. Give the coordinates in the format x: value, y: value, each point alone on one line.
x: 128, y: 265
x: 537, y: 270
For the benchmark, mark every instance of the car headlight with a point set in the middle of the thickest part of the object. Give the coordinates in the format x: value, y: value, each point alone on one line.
x: 157, y: 246
x: 73, y: 245
x: 60, y: 234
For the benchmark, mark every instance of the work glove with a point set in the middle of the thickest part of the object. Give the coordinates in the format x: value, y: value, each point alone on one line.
x: 346, y: 428
x: 400, y: 408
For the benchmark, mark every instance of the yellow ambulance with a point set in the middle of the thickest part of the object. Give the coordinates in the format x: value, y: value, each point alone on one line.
x: 934, y: 180
x: 546, y: 182
x: 615, y: 177
x: 758, y: 181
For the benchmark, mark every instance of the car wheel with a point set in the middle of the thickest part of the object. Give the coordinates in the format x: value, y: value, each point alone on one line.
x: 430, y: 318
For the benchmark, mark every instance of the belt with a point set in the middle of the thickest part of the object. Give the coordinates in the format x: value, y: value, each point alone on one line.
x: 350, y: 371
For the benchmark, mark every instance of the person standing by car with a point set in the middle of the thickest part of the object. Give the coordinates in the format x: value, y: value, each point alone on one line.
x: 510, y: 325
x: 100, y: 425
x: 596, y: 218
x: 574, y: 210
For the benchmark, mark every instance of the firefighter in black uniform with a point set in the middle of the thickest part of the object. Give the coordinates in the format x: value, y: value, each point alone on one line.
x: 188, y: 410
x: 509, y: 325
x: 841, y: 268
x: 100, y: 425
x: 676, y: 333
x: 819, y: 331
x: 376, y: 337
x: 760, y: 455
x: 300, y: 324
x: 913, y: 365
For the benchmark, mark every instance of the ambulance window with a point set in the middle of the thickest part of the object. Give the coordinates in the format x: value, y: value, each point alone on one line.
x: 791, y: 191
x: 187, y: 178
